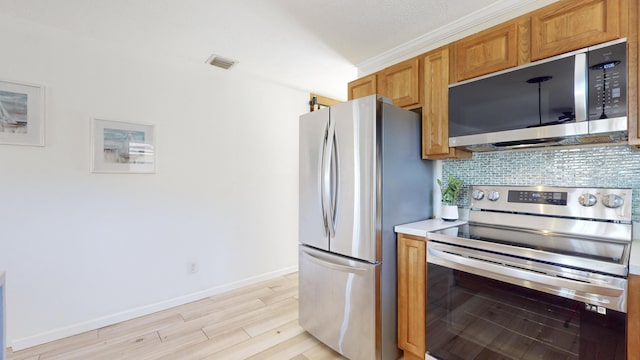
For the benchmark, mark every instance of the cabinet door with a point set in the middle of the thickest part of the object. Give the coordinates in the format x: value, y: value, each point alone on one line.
x: 412, y: 294
x: 435, y: 110
x: 633, y: 75
x: 572, y: 25
x: 633, y: 314
x: 362, y: 87
x: 495, y: 49
x: 400, y: 83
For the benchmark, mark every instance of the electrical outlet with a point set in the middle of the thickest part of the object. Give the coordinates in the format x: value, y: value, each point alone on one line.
x: 193, y: 266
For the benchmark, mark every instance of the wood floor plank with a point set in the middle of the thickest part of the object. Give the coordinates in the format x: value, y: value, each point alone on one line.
x: 279, y: 281
x: 221, y: 316
x: 141, y: 325
x: 276, y: 319
x: 287, y: 349
x: 12, y: 356
x: 110, y: 349
x: 249, y: 317
x: 321, y: 352
x: 209, y: 347
x: 215, y: 305
x: 280, y: 294
x: 168, y: 348
x: 53, y: 347
x: 260, y: 343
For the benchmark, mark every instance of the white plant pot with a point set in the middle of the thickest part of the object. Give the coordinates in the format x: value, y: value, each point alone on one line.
x: 449, y: 212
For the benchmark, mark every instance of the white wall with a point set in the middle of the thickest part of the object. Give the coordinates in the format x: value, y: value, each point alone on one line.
x: 83, y: 250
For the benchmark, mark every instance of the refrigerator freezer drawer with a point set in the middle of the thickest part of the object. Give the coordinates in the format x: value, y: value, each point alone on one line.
x: 338, y: 302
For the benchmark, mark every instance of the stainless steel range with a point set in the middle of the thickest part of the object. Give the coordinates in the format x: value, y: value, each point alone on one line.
x: 538, y: 272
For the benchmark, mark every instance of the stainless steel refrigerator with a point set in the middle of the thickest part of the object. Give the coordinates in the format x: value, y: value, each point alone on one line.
x: 361, y: 173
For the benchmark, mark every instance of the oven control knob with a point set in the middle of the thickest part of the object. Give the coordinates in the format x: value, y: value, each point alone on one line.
x: 587, y: 199
x: 477, y: 194
x: 612, y: 201
x: 493, y: 195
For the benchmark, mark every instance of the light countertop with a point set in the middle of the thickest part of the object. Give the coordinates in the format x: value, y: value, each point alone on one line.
x: 421, y: 228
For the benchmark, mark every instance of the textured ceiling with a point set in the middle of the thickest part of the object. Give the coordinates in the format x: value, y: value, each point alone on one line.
x: 312, y: 45
x: 360, y: 29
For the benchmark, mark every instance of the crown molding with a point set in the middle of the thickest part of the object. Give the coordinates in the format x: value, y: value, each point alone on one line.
x: 484, y: 18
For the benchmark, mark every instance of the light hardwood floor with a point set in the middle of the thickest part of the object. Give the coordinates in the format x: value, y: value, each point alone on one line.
x: 256, y: 322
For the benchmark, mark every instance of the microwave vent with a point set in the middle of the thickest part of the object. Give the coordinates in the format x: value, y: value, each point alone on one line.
x: 597, y: 139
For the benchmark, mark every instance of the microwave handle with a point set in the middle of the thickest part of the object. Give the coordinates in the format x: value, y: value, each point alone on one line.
x: 580, y: 87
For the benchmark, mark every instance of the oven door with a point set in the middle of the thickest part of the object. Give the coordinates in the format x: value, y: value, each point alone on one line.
x: 470, y: 316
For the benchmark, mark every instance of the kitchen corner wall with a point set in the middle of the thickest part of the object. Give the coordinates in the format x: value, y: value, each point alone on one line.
x: 604, y: 166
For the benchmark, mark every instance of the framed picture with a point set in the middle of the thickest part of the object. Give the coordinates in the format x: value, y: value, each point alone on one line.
x: 122, y: 147
x: 21, y: 113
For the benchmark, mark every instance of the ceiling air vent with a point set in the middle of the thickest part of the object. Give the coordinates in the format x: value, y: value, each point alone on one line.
x: 221, y: 62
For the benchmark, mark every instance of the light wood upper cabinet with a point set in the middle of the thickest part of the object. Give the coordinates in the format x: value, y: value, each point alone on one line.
x: 495, y: 49
x: 633, y: 75
x: 400, y: 83
x: 436, y: 74
x: 435, y: 109
x: 572, y: 25
x: 412, y: 296
x: 363, y: 87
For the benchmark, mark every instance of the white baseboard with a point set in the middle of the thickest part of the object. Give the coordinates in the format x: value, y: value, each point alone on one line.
x: 56, y: 334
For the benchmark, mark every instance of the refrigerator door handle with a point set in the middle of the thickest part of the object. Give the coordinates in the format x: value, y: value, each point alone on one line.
x: 328, y: 179
x: 335, y: 184
x: 334, y: 266
x: 324, y: 191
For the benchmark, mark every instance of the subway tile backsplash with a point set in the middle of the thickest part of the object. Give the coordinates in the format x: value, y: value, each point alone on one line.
x: 604, y: 166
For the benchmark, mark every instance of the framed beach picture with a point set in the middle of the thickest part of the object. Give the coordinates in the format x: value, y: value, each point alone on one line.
x: 122, y: 147
x: 21, y: 113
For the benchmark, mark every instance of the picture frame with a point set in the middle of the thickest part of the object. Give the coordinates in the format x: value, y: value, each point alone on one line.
x: 21, y: 113
x: 122, y: 147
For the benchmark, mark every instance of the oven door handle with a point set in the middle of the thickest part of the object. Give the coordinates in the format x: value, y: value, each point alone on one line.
x: 498, y: 271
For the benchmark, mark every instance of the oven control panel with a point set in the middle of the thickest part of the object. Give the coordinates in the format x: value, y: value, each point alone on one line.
x: 588, y: 203
x: 538, y: 197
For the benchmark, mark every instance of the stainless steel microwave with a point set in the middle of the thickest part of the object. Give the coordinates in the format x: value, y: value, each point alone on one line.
x: 575, y: 98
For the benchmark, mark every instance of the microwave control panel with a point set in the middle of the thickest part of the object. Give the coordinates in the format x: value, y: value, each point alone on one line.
x: 607, y: 82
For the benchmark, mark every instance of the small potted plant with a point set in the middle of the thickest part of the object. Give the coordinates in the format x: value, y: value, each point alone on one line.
x: 450, y: 194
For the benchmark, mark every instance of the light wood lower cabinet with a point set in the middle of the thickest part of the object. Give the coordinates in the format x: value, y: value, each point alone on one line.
x: 633, y: 318
x: 412, y: 296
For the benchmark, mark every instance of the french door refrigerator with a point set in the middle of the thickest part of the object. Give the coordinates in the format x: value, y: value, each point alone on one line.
x: 361, y: 173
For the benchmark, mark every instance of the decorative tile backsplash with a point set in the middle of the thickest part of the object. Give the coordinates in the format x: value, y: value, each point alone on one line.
x: 604, y: 166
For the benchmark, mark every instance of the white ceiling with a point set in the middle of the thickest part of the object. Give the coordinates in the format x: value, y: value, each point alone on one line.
x: 312, y: 45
